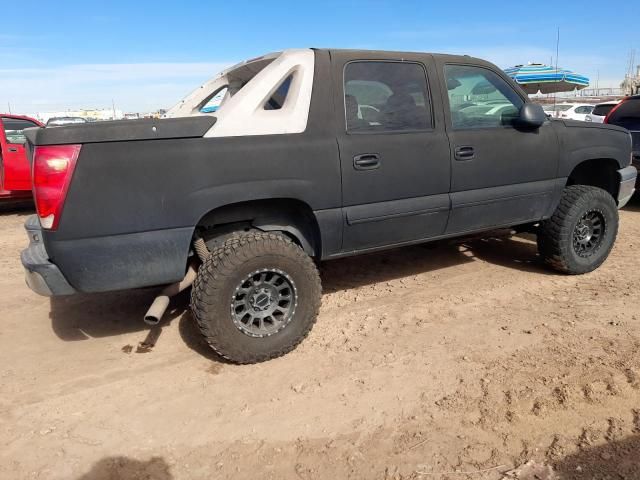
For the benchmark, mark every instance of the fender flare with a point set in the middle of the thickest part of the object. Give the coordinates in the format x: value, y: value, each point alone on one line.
x: 291, y: 230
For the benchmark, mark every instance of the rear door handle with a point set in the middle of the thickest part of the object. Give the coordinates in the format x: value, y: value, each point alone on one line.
x: 12, y: 149
x: 465, y: 153
x: 366, y: 161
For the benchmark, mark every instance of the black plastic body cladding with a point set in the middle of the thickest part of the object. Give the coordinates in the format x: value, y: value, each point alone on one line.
x: 140, y: 188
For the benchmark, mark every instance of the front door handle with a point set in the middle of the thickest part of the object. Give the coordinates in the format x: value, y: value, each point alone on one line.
x: 366, y: 161
x: 12, y: 149
x: 464, y: 153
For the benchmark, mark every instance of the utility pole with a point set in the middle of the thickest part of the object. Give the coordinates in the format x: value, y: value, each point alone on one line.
x: 9, y: 105
x: 113, y: 105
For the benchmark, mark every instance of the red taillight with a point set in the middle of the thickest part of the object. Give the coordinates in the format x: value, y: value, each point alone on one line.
x: 53, y: 167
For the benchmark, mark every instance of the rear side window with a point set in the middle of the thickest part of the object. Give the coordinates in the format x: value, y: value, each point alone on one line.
x: 583, y: 110
x: 602, y: 110
x: 479, y: 98
x: 13, y: 129
x: 386, y: 97
x: 627, y: 115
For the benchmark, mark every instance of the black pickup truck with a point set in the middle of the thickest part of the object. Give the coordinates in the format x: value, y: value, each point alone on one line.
x: 308, y: 155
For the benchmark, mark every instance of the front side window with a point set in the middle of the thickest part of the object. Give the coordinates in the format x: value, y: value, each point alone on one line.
x: 386, y: 97
x: 479, y: 98
x: 14, y: 130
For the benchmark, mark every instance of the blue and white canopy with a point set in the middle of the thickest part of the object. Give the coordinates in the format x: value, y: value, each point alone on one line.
x: 537, y: 77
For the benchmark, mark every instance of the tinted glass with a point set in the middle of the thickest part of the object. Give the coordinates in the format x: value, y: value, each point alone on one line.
x: 627, y: 115
x: 280, y: 95
x: 602, y: 110
x: 386, y: 97
x: 478, y: 98
x: 13, y: 129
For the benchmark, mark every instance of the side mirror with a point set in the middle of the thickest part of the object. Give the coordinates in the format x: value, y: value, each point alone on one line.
x: 531, y: 115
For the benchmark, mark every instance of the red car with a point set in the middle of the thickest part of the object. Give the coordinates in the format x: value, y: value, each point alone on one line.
x: 15, y: 172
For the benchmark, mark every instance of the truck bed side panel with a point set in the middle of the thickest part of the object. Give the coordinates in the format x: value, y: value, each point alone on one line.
x: 133, y: 206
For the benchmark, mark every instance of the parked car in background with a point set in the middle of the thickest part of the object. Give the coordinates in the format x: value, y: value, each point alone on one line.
x: 58, y: 121
x: 15, y: 172
x: 549, y: 110
x: 627, y: 114
x: 600, y: 111
x: 570, y: 111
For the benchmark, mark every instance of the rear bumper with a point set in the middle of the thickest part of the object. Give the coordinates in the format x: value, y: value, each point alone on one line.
x: 42, y: 276
x: 101, y: 264
x: 628, y: 178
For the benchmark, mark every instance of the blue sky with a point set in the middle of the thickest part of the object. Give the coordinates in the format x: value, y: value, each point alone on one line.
x: 146, y: 55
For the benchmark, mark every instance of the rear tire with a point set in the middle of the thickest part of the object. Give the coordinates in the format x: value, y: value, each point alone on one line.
x: 256, y: 297
x: 579, y: 236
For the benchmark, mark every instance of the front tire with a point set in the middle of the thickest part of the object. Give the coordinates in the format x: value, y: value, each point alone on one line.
x: 256, y: 297
x: 579, y: 236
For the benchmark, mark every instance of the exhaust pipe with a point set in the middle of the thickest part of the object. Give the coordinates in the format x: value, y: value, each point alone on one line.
x: 161, y: 302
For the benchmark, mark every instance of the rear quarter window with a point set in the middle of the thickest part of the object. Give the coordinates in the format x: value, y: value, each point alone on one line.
x: 627, y: 115
x: 602, y: 110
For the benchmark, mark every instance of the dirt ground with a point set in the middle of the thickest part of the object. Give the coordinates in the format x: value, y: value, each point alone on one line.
x: 426, y: 362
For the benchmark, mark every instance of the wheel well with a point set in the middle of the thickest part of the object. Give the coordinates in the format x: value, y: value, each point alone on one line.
x: 599, y: 172
x: 292, y: 217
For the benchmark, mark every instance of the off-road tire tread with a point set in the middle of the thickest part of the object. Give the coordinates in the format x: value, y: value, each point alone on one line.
x: 221, y: 264
x: 555, y: 234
